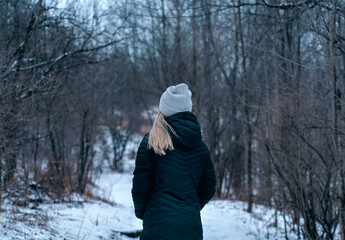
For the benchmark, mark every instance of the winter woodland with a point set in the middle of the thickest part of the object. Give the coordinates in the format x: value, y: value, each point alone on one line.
x: 80, y: 83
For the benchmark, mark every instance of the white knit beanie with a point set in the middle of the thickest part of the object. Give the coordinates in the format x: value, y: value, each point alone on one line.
x: 176, y: 99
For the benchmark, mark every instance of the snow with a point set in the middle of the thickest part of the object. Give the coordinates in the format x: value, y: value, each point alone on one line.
x: 113, y: 213
x: 82, y: 219
x: 224, y: 219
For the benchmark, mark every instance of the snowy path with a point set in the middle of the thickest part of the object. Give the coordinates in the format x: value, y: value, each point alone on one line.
x: 85, y: 219
x: 93, y: 220
x: 221, y: 219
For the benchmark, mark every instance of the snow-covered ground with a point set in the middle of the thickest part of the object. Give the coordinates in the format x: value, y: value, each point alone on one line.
x: 222, y: 219
x: 87, y: 219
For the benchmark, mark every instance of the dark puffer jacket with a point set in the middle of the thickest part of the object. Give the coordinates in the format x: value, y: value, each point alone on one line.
x: 169, y: 191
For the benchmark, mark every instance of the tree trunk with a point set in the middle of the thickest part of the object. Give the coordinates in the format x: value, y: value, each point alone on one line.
x: 337, y: 124
x: 249, y: 133
x: 194, y: 81
x: 11, y: 165
x: 82, y: 156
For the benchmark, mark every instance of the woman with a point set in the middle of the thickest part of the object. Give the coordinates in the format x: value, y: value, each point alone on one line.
x: 174, y: 175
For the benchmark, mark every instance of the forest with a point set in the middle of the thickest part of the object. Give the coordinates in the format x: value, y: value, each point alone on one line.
x: 268, y: 85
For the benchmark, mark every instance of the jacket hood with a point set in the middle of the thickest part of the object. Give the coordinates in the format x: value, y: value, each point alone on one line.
x: 187, y: 128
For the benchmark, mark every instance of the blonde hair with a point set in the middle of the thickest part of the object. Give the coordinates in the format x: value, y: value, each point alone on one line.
x: 159, y: 138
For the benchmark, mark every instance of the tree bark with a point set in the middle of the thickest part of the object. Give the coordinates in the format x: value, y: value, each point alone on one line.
x: 249, y: 131
x: 337, y: 124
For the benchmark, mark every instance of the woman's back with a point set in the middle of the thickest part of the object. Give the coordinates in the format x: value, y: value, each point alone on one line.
x: 170, y: 190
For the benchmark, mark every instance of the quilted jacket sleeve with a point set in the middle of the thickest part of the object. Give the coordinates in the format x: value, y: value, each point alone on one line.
x: 143, y: 178
x: 207, y: 185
